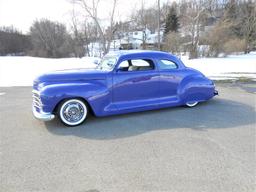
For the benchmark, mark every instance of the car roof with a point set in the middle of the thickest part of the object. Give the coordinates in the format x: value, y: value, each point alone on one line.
x: 137, y: 52
x: 130, y: 54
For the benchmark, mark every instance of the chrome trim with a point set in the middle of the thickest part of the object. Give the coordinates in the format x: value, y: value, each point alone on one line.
x: 35, y: 96
x: 35, y: 91
x: 36, y: 99
x: 38, y: 104
x: 42, y: 115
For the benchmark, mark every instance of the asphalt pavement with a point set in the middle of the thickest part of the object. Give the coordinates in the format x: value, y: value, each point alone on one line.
x: 209, y: 148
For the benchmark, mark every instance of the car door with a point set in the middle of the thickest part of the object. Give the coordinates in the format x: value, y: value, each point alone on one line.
x: 135, y: 84
x: 169, y: 79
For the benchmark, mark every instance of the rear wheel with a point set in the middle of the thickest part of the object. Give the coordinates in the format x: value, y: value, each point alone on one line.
x: 191, y: 104
x: 72, y: 112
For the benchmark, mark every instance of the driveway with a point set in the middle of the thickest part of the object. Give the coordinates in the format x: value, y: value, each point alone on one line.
x: 209, y: 148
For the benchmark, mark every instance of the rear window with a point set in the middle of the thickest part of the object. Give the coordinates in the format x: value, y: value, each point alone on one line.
x: 166, y: 64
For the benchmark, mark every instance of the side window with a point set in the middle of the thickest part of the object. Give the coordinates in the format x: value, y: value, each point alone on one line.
x: 136, y: 65
x: 141, y: 65
x: 167, y: 64
x: 123, y: 66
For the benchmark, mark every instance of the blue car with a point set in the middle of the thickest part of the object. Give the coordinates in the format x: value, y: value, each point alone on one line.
x: 123, y: 82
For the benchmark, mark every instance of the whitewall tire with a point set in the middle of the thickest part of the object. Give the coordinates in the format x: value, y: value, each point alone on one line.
x: 191, y: 104
x: 72, y: 112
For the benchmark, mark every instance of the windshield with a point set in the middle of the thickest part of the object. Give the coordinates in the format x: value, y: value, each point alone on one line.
x: 107, y: 63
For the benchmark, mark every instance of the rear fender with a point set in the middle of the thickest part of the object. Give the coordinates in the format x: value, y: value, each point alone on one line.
x: 195, y: 87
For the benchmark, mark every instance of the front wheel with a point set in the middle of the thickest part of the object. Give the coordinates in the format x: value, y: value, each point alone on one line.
x: 72, y: 112
x: 191, y: 104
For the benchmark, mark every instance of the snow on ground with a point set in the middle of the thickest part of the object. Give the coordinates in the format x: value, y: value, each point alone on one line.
x: 231, y: 67
x: 20, y: 71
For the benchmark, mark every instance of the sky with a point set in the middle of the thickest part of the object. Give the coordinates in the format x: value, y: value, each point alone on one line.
x: 22, y: 13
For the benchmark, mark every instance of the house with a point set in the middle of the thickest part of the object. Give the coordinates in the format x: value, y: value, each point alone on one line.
x: 140, y: 39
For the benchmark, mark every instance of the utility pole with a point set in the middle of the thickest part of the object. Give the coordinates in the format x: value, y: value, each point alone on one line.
x: 158, y: 26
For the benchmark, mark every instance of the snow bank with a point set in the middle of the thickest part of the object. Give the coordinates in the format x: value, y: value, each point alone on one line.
x: 20, y: 71
x: 231, y: 67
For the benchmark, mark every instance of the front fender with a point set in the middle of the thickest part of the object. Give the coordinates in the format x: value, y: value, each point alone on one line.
x: 195, y: 87
x: 94, y: 93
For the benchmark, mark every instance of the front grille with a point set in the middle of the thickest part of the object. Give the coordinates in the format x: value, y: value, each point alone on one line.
x: 36, y: 99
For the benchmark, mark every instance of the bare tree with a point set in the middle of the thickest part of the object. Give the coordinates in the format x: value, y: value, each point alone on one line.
x: 218, y: 36
x: 173, y: 42
x: 79, y: 38
x: 50, y: 39
x: 91, y: 9
x: 194, y: 11
x: 158, y: 24
x: 249, y: 25
x: 13, y: 42
x: 145, y: 19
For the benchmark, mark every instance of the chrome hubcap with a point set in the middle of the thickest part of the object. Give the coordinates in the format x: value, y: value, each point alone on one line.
x: 73, y: 112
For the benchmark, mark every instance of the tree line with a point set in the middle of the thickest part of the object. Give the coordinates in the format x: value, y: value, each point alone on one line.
x: 13, y: 41
x: 198, y: 27
x: 45, y: 39
x: 215, y: 26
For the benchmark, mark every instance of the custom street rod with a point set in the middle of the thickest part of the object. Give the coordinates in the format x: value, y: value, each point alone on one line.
x: 123, y: 82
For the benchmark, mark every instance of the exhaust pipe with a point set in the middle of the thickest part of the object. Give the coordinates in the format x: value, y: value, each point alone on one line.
x: 216, y: 92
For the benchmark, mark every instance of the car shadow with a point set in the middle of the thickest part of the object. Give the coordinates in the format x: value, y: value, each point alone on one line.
x: 214, y: 114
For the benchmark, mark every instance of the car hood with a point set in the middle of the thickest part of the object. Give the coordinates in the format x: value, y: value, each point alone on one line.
x: 71, y: 75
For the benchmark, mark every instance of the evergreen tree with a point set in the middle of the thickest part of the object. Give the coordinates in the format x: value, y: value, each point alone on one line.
x: 172, y: 21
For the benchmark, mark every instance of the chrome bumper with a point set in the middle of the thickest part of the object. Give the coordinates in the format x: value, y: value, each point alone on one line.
x: 42, y: 116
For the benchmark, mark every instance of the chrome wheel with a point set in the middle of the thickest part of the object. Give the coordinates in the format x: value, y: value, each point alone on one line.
x: 73, y: 112
x: 191, y: 104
